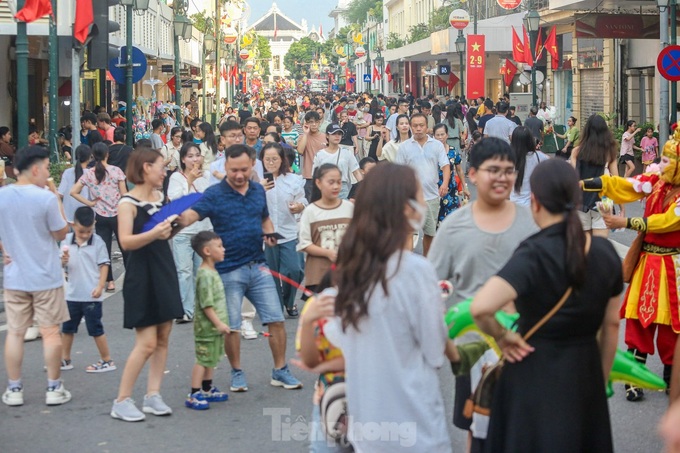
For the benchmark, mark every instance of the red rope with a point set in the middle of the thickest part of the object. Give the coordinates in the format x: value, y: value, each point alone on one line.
x: 288, y: 280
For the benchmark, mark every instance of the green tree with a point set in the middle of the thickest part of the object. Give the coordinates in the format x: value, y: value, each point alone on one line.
x: 199, y: 20
x: 265, y: 53
x: 358, y: 11
x: 417, y: 32
x: 394, y: 41
x: 299, y: 57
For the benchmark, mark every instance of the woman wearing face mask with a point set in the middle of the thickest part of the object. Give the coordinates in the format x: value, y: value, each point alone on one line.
x: 388, y: 319
x: 363, y: 121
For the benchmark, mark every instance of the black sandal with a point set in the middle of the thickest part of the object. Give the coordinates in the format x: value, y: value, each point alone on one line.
x: 293, y: 311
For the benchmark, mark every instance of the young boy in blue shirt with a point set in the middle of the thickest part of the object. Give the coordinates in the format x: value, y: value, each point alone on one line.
x: 86, y: 262
x: 211, y: 322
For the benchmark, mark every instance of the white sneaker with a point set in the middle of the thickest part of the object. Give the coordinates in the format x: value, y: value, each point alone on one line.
x: 57, y: 395
x: 13, y: 397
x: 32, y: 333
x: 247, y: 331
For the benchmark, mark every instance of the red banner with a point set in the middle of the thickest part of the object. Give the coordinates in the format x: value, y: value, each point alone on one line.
x: 476, y: 66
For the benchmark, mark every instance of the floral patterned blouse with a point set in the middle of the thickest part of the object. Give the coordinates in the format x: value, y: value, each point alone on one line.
x: 107, y: 194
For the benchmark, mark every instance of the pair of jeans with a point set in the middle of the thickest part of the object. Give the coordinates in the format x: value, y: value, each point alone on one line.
x: 187, y: 262
x: 253, y: 281
x: 106, y: 227
x: 284, y: 259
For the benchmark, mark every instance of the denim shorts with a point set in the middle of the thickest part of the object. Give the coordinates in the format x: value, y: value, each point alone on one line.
x: 254, y: 282
x: 92, y: 311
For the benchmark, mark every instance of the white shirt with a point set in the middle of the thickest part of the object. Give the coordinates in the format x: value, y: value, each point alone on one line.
x: 29, y: 215
x: 83, y: 267
x: 288, y: 188
x: 426, y: 160
x: 524, y: 196
x: 391, y: 361
x: 500, y: 127
x: 179, y: 187
x: 170, y: 152
x: 68, y: 180
x: 343, y: 158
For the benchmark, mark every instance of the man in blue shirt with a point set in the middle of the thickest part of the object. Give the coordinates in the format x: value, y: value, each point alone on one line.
x: 238, y: 211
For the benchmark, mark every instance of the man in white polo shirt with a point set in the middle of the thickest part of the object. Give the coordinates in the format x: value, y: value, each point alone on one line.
x: 426, y: 156
x: 500, y: 126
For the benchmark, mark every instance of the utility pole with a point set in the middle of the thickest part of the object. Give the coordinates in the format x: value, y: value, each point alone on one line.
x: 22, y: 80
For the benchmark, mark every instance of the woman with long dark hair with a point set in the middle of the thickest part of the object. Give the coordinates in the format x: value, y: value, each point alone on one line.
x: 471, y: 123
x: 567, y: 362
x: 456, y: 129
x: 437, y: 113
x: 191, y: 178
x: 106, y: 184
x: 596, y: 151
x: 528, y: 157
x: 69, y: 178
x: 389, y: 317
x: 389, y: 149
x: 209, y: 148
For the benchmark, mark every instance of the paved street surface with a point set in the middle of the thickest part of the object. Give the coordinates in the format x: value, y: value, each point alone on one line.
x: 239, y: 425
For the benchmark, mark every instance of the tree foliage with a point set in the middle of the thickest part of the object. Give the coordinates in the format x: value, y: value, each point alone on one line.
x: 358, y: 11
x: 299, y: 57
x: 394, y: 41
x: 418, y: 32
x: 199, y: 20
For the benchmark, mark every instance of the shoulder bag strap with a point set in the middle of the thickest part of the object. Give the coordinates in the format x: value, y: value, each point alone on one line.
x: 561, y: 302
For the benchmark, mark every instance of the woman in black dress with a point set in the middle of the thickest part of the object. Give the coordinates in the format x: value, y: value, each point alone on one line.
x: 151, y: 290
x: 551, y: 395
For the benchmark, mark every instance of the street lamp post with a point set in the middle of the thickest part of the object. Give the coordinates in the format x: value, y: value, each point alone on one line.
x: 674, y: 40
x: 531, y: 22
x: 183, y: 30
x: 460, y: 48
x: 140, y: 5
x: 663, y: 83
x: 208, y: 48
x: 22, y: 80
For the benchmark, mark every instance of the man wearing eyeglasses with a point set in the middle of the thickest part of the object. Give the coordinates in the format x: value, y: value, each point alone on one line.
x: 475, y: 241
x: 402, y: 109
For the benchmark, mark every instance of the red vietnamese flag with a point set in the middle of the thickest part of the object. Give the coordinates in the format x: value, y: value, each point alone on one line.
x: 84, y: 18
x: 223, y: 72
x: 376, y: 74
x: 551, y: 47
x: 539, y: 45
x: 34, y: 10
x: 388, y: 72
x: 517, y: 47
x: 476, y: 66
x: 510, y: 71
x: 171, y: 84
x: 453, y: 80
x: 527, y: 49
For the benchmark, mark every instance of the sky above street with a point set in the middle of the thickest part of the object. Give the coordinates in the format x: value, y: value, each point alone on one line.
x: 314, y: 11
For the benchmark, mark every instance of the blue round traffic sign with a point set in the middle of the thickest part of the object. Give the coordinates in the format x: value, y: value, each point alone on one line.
x: 668, y: 63
x: 117, y: 65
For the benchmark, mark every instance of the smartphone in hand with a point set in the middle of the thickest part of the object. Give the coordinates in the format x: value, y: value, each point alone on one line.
x: 268, y: 176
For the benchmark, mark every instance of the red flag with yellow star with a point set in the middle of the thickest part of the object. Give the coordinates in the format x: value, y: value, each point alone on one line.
x: 517, y: 47
x: 509, y: 74
x: 476, y: 66
x: 551, y: 47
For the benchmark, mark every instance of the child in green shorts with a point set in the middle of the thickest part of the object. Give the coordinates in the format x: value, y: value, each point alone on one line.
x: 211, y: 322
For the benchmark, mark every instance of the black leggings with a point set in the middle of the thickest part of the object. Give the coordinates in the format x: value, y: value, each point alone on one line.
x: 105, y: 228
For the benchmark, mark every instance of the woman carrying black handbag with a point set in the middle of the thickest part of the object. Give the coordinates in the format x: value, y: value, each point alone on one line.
x: 551, y: 395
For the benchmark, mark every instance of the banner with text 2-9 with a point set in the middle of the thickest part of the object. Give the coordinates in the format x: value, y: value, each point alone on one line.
x: 476, y: 66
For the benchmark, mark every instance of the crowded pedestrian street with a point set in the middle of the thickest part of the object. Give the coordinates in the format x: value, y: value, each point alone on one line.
x: 367, y: 226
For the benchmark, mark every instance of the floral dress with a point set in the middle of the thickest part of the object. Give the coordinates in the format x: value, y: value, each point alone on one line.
x: 450, y: 202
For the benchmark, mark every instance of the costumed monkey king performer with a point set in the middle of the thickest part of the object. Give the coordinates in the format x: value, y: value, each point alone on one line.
x: 651, y: 301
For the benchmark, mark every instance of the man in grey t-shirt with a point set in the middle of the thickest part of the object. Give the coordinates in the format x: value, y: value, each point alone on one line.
x: 155, y: 137
x: 500, y: 126
x: 474, y: 242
